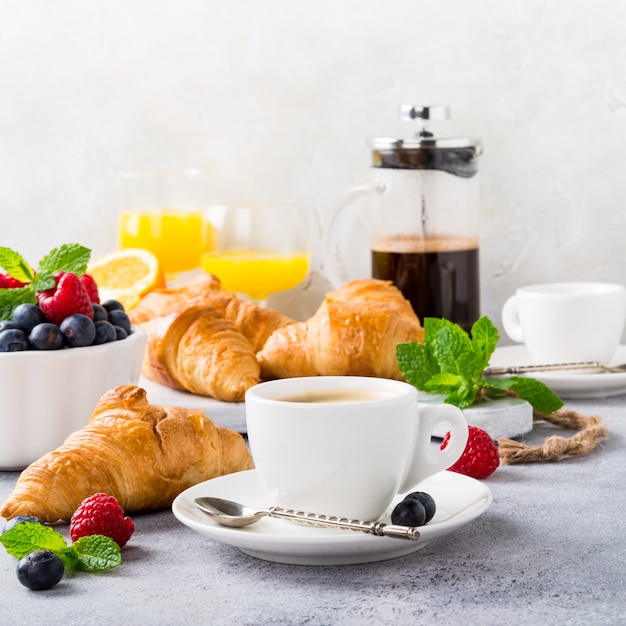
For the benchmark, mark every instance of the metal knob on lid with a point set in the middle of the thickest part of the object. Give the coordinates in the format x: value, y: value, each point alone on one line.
x: 423, y: 115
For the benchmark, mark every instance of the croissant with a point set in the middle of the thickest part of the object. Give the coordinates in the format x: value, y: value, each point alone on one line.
x: 353, y: 333
x: 141, y: 454
x: 171, y: 299
x: 200, y: 351
x: 255, y: 322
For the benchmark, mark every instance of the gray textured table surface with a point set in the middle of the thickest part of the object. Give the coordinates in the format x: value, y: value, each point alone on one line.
x: 550, y: 550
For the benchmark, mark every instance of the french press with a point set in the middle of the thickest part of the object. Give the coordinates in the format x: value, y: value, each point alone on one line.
x: 424, y: 233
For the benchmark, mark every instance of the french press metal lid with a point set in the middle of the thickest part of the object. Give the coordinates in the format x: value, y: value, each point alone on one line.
x: 424, y: 151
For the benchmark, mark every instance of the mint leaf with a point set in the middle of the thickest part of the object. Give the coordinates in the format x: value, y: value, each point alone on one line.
x: 10, y: 298
x: 459, y: 391
x: 449, y: 345
x: 43, y: 281
x: 444, y: 382
x: 416, y: 363
x: 471, y: 366
x: 485, y: 337
x: 432, y: 326
x: 464, y: 396
x: 70, y: 257
x: 536, y: 393
x: 97, y: 552
x: 15, y: 265
x: 69, y: 558
x: 27, y: 537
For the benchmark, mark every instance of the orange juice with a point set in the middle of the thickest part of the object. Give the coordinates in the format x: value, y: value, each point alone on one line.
x: 257, y: 273
x: 175, y: 237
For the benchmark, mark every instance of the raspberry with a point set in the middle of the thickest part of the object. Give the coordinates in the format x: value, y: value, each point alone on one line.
x: 91, y: 287
x: 480, y: 457
x: 68, y: 297
x: 8, y: 282
x: 101, y: 514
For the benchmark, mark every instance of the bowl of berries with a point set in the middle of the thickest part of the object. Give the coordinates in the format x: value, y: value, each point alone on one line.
x: 61, y: 349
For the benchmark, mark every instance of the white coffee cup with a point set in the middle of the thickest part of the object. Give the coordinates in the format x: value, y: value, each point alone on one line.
x: 567, y: 322
x: 350, y: 454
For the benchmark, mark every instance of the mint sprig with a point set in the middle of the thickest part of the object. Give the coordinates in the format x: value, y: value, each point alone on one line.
x: 69, y: 257
x: 89, y: 554
x: 452, y: 363
x: 96, y: 552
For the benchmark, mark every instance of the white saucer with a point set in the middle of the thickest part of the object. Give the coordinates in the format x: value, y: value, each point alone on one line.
x: 568, y: 384
x: 459, y: 500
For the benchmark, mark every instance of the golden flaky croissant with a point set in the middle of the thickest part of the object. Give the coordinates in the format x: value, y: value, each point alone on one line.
x: 353, y: 333
x: 143, y: 455
x: 199, y: 350
x: 255, y: 322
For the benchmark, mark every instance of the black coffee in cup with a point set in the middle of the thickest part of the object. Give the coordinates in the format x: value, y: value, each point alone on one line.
x: 439, y: 276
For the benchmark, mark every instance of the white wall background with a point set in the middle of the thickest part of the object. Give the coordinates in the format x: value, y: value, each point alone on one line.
x: 278, y: 97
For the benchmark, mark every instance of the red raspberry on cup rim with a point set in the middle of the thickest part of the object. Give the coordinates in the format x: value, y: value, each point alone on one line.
x: 480, y: 457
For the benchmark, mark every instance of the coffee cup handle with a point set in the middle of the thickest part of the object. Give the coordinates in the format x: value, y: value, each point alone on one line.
x: 429, y: 459
x: 510, y: 320
x: 334, y: 272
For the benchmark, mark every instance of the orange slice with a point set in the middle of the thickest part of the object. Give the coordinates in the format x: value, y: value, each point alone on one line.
x: 127, y: 275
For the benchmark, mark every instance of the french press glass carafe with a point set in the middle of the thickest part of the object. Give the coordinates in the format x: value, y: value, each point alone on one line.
x: 425, y: 218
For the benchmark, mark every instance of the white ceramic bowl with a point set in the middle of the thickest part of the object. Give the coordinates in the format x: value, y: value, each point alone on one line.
x: 47, y: 395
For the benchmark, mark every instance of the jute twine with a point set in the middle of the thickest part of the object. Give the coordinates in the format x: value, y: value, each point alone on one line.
x: 590, y: 431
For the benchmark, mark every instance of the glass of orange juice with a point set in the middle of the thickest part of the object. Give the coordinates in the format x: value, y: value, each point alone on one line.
x: 257, y: 249
x: 162, y: 212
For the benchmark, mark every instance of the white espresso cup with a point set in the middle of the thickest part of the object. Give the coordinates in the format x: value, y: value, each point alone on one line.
x: 567, y: 322
x: 346, y: 445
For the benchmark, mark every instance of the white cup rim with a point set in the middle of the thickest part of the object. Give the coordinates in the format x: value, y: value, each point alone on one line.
x: 271, y: 391
x: 568, y: 289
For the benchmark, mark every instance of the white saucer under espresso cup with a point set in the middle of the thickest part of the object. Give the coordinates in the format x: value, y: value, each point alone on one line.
x: 567, y: 322
x: 346, y: 445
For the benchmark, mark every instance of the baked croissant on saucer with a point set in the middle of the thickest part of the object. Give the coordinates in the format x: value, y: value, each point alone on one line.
x: 141, y: 454
x: 198, y: 350
x: 353, y: 333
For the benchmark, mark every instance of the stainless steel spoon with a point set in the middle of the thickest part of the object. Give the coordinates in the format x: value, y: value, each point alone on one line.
x: 229, y: 513
x: 527, y: 369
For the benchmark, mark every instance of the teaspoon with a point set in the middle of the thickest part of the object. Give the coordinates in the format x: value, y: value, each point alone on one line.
x: 229, y: 513
x: 529, y: 369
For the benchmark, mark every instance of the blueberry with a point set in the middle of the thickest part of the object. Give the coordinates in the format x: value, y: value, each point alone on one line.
x: 119, y: 318
x: 40, y: 570
x: 427, y: 501
x: 46, y: 336
x: 19, y: 519
x: 28, y: 316
x: 13, y: 340
x: 120, y: 333
x: 100, y: 314
x: 113, y: 305
x: 79, y: 330
x: 105, y: 332
x: 9, y: 325
x: 409, y: 512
